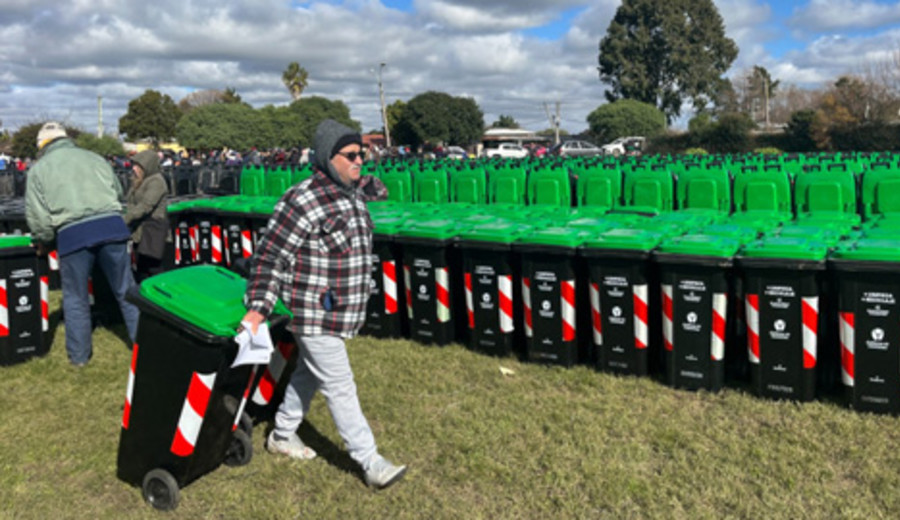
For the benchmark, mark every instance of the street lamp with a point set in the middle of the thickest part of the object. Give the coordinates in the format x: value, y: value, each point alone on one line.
x: 387, y: 132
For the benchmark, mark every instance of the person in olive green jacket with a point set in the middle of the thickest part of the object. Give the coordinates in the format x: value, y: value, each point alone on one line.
x: 146, y: 213
x: 72, y: 198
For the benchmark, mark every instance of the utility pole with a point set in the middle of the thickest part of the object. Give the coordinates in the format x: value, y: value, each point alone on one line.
x: 99, y: 116
x: 554, y: 121
x: 387, y: 131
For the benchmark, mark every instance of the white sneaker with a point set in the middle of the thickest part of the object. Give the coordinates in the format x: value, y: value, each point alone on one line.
x: 293, y: 447
x: 382, y: 473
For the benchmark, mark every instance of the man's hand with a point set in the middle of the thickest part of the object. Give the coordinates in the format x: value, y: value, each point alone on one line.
x: 254, y: 319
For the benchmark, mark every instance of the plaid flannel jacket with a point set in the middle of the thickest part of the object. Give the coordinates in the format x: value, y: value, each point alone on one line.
x: 316, y: 256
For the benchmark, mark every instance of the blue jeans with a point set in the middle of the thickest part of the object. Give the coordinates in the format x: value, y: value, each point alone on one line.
x: 74, y: 271
x: 323, y: 365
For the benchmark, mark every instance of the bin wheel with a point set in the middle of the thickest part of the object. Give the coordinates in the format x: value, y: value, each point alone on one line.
x: 241, y: 450
x: 160, y: 490
x: 245, y: 423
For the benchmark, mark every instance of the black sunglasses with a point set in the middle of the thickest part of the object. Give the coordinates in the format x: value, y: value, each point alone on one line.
x: 351, y: 156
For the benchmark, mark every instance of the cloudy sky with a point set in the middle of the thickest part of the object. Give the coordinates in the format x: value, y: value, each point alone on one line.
x: 512, y: 56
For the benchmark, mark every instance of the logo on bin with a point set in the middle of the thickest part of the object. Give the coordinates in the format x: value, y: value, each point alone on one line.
x: 486, y: 297
x: 616, y: 318
x: 877, y: 342
x: 779, y: 327
x: 690, y: 323
x: 24, y: 304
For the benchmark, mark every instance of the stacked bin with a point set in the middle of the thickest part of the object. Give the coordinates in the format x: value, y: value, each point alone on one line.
x: 236, y: 231
x: 183, y: 412
x: 550, y: 296
x: 260, y: 212
x: 492, y: 297
x: 384, y: 318
x: 695, y: 283
x: 24, y: 325
x: 206, y: 233
x: 782, y: 282
x: 180, y: 215
x: 868, y: 281
x: 620, y: 279
x: 429, y: 276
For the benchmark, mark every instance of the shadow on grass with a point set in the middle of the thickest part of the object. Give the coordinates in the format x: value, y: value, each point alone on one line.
x: 327, y: 450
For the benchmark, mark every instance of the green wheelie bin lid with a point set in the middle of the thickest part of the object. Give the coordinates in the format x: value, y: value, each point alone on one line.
x: 786, y: 248
x: 554, y: 238
x: 869, y: 250
x: 700, y: 245
x: 14, y: 241
x: 625, y: 239
x: 209, y: 298
x: 500, y: 232
x: 435, y: 229
x: 387, y: 225
x: 743, y: 234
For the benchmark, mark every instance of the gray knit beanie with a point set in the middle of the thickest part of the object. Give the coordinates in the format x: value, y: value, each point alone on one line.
x: 330, y: 137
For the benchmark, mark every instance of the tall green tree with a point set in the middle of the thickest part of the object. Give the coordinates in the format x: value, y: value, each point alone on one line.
x: 24, y: 141
x: 505, y: 121
x: 665, y: 52
x: 626, y: 117
x: 217, y: 125
x: 313, y: 110
x: 437, y: 117
x: 105, y: 146
x: 295, y: 79
x: 152, y: 116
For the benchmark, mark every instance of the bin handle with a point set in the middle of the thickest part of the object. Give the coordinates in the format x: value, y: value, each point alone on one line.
x: 166, y: 294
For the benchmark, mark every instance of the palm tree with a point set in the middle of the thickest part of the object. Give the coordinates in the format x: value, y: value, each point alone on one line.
x: 295, y: 78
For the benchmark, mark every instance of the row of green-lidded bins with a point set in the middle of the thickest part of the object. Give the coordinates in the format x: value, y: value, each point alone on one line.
x: 717, y: 304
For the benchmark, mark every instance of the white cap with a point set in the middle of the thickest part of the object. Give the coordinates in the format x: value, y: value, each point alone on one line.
x: 50, y: 131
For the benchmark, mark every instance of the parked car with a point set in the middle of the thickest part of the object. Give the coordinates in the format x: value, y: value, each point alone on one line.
x: 455, y: 152
x: 507, y: 151
x: 576, y: 149
x: 624, y: 146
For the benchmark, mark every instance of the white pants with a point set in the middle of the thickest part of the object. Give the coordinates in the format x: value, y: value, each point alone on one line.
x: 323, y: 365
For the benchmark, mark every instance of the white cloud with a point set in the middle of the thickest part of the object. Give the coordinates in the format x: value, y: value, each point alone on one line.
x: 830, y: 15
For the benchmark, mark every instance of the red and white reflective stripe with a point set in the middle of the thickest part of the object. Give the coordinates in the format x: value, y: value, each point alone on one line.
x: 407, y: 279
x: 641, y: 329
x: 4, y: 309
x: 177, y: 246
x: 505, y: 288
x: 389, y: 277
x: 719, y: 313
x: 848, y: 345
x: 752, y: 312
x: 216, y: 236
x: 45, y: 303
x: 567, y: 301
x: 90, y: 290
x: 240, y: 410
x: 126, y: 412
x: 246, y: 243
x: 194, y: 234
x: 596, y: 320
x: 470, y: 305
x: 53, y: 260
x: 526, y: 306
x: 810, y: 330
x: 667, y: 324
x: 269, y: 380
x: 442, y: 284
x: 192, y: 414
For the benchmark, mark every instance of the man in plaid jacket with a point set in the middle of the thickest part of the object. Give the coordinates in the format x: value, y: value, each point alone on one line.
x: 316, y: 257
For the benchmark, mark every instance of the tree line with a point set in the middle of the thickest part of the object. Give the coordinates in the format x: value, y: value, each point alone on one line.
x: 657, y: 59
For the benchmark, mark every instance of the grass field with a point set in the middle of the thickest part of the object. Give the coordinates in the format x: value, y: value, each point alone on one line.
x: 544, y: 442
